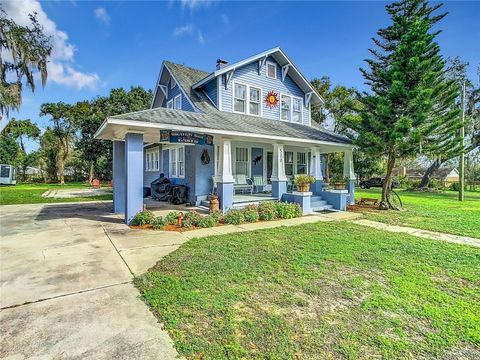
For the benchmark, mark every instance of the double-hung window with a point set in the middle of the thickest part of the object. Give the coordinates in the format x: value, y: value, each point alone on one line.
x: 289, y: 163
x: 297, y: 110
x: 254, y: 104
x: 241, y: 161
x: 152, y: 162
x: 177, y: 102
x: 177, y: 162
x: 239, y: 98
x: 286, y: 105
x: 301, y: 163
x: 170, y: 104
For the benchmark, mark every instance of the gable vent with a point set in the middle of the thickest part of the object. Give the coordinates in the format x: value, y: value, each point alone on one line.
x: 221, y: 63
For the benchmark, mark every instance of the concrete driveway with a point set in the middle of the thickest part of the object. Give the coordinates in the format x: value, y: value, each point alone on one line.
x: 66, y: 291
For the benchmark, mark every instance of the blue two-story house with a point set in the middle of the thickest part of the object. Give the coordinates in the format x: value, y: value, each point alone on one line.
x: 244, y: 124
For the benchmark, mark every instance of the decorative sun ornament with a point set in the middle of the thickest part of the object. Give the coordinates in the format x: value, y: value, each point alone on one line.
x: 271, y: 99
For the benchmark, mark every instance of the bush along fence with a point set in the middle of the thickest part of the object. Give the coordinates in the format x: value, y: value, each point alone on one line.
x: 174, y: 220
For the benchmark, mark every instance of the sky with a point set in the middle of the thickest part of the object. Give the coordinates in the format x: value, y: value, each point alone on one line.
x: 103, y: 45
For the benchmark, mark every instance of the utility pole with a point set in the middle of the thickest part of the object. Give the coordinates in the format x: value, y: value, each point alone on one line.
x: 461, y: 195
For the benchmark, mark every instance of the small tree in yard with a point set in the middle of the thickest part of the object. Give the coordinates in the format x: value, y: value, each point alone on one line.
x: 410, y: 106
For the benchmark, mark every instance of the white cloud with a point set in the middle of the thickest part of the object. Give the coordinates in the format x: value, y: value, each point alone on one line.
x: 102, y: 15
x: 183, y: 30
x: 194, y: 4
x: 61, y: 63
x: 200, y: 37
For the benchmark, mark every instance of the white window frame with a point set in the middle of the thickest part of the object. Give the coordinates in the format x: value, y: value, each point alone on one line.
x: 234, y: 83
x: 295, y: 98
x: 177, y: 165
x: 152, y: 159
x: 170, y: 104
x: 266, y: 69
x: 290, y: 110
x: 301, y: 163
x: 247, y: 99
x: 179, y: 96
x: 246, y: 162
x: 250, y: 101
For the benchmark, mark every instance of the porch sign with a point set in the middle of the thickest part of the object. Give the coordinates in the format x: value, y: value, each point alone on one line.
x: 185, y: 137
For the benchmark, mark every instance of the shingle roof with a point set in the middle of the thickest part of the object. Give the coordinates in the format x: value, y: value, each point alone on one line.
x: 210, y: 117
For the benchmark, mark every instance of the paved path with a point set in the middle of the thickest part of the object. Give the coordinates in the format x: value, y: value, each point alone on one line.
x: 465, y: 240
x: 65, y: 290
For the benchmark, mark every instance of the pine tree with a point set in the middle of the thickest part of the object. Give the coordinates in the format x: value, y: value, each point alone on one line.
x: 410, y: 108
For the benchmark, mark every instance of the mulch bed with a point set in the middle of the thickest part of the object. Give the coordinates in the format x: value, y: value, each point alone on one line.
x: 360, y: 208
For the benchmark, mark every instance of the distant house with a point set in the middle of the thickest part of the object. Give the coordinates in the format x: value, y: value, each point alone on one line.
x: 446, y: 175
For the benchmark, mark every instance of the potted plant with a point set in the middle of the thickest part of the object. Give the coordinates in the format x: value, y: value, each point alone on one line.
x: 302, y: 182
x: 339, y: 182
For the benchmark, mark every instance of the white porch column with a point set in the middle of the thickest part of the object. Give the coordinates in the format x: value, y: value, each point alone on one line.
x: 224, y: 175
x: 349, y: 174
x: 316, y: 170
x: 279, y: 179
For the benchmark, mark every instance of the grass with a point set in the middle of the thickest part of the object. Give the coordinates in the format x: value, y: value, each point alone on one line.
x: 318, y: 291
x: 32, y: 194
x: 431, y: 211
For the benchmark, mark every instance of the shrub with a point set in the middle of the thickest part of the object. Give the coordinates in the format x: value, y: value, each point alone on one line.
x: 207, y: 221
x: 251, y: 215
x: 171, y: 218
x: 158, y: 223
x: 234, y: 217
x: 217, y: 215
x: 267, y: 211
x: 142, y: 218
x: 190, y: 219
x: 287, y: 211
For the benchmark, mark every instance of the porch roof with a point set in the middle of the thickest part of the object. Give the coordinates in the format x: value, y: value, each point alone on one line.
x: 216, y: 123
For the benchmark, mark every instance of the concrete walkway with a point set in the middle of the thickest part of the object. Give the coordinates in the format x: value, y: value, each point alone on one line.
x: 65, y: 290
x: 426, y: 234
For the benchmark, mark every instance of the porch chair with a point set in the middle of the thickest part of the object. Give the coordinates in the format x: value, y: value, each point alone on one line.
x: 258, y: 183
x: 242, y: 183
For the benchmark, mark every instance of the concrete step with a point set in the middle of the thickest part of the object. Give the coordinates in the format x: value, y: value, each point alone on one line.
x: 315, y: 198
x: 318, y: 203
x: 205, y: 203
x: 322, y: 208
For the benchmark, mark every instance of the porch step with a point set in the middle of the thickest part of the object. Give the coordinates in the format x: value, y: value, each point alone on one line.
x: 318, y: 203
x: 322, y: 208
x: 205, y: 203
x: 315, y: 198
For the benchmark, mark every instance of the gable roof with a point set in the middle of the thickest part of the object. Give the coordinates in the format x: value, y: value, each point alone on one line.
x: 281, y: 58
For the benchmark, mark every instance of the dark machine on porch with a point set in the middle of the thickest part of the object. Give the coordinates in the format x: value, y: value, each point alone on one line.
x: 162, y: 189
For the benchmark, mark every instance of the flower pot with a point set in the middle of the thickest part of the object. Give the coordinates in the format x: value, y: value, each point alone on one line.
x: 304, y: 188
x: 339, y: 186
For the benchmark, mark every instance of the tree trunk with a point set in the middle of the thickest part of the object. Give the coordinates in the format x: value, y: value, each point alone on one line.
x: 386, y: 188
x: 430, y: 171
x: 90, y: 171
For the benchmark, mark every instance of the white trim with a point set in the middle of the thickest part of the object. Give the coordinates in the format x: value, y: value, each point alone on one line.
x: 164, y: 90
x: 176, y: 149
x: 261, y: 64
x: 144, y: 124
x: 219, y: 93
x: 179, y: 96
x: 182, y: 90
x: 150, y: 152
x: 266, y: 69
x: 291, y: 108
x: 157, y: 83
x: 234, y: 83
x: 308, y: 98
x: 301, y: 109
x: 289, y: 96
x: 173, y: 82
x: 209, y: 98
x: 255, y: 58
x: 247, y: 98
x: 170, y: 104
x: 260, y: 107
x: 285, y: 71
x: 228, y: 78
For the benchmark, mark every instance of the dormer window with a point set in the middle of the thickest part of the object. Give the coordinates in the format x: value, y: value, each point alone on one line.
x: 239, y: 98
x: 271, y: 70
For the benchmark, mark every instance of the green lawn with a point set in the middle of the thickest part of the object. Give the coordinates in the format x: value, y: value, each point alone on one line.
x: 318, y: 291
x: 32, y: 193
x: 431, y: 211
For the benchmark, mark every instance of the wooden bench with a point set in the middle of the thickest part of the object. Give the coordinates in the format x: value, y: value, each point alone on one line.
x: 366, y: 201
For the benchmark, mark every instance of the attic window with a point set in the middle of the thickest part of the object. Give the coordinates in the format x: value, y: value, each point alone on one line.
x: 271, y: 70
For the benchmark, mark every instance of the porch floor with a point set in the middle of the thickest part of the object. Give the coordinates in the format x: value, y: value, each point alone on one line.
x: 247, y: 198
